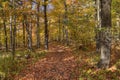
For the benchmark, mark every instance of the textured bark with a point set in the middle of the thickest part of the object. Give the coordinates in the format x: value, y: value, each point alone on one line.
x: 105, y: 38
x: 5, y: 31
x: 38, y: 26
x: 59, y: 29
x: 65, y: 22
x: 11, y: 32
x: 118, y: 24
x: 14, y: 31
x: 0, y: 38
x: 24, y: 33
x: 118, y: 21
x: 14, y: 36
x: 46, y: 24
x: 29, y: 35
x: 98, y: 25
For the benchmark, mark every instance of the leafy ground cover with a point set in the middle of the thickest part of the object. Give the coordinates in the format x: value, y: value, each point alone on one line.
x: 62, y: 63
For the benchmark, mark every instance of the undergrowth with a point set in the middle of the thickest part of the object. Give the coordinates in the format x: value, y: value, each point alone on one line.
x: 9, y: 67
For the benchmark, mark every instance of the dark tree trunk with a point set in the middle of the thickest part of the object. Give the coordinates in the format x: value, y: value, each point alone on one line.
x: 23, y: 23
x: 0, y: 38
x: 14, y: 36
x: 38, y: 26
x: 59, y: 29
x: 63, y: 32
x: 105, y: 38
x: 5, y: 31
x: 46, y: 24
x: 6, y: 38
x: 14, y: 31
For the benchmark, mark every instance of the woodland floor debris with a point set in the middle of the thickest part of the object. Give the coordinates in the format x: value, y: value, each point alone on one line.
x: 59, y: 64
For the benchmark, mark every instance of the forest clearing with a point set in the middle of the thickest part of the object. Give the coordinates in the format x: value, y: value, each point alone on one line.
x: 59, y: 39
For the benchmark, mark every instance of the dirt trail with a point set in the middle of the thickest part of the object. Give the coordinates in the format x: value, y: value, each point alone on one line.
x: 59, y: 64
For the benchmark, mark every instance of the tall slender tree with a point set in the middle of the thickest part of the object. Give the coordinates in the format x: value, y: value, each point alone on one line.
x: 65, y: 22
x: 23, y: 24
x: 11, y: 33
x: 98, y: 24
x: 14, y: 29
x: 5, y: 30
x: 46, y: 24
x: 38, y: 25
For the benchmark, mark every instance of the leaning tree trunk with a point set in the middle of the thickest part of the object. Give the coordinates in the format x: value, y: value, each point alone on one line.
x: 46, y: 24
x: 105, y: 38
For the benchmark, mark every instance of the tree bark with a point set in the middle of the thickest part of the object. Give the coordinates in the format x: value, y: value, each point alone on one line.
x: 66, y: 22
x: 105, y: 38
x: 0, y: 38
x: 59, y: 29
x: 98, y: 24
x: 11, y: 32
x: 23, y: 23
x: 46, y: 24
x: 29, y: 35
x: 38, y: 26
x: 14, y: 36
x: 5, y: 31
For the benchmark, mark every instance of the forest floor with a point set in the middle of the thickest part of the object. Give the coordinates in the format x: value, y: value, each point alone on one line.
x: 62, y: 63
x: 58, y: 64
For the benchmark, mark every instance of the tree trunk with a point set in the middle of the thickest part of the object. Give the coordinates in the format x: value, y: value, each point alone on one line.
x: 0, y: 38
x: 14, y: 31
x: 98, y: 25
x: 11, y: 32
x: 118, y: 21
x: 23, y: 23
x: 66, y: 22
x: 46, y: 24
x: 5, y: 31
x: 38, y: 26
x: 14, y: 36
x: 59, y: 29
x: 105, y: 38
x: 29, y: 35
